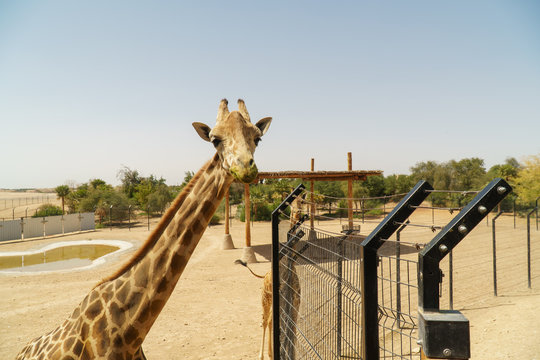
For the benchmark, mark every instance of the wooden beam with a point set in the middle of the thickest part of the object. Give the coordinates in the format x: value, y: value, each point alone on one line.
x: 319, y: 175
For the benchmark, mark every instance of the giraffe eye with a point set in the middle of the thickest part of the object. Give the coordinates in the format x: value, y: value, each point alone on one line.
x: 216, y: 142
x: 257, y: 141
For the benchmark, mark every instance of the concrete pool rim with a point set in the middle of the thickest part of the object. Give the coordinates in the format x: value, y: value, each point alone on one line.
x: 122, y: 245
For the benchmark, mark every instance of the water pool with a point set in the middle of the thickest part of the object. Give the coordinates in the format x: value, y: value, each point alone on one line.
x: 64, y: 255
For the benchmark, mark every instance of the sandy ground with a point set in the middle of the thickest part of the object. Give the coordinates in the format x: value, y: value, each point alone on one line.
x: 215, y: 310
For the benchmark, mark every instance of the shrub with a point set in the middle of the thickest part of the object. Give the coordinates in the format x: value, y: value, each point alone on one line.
x: 48, y: 210
x: 215, y: 219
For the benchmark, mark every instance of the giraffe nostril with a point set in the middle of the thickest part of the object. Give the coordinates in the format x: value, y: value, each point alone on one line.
x: 251, y: 162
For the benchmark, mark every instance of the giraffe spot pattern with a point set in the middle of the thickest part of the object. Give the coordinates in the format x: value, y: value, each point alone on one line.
x: 131, y: 335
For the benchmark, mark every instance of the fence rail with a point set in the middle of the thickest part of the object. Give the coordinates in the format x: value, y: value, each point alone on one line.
x: 12, y: 202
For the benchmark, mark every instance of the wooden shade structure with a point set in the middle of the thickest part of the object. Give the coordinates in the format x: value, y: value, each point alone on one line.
x: 311, y: 176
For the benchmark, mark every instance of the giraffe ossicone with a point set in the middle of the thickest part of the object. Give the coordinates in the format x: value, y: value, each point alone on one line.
x: 114, y: 318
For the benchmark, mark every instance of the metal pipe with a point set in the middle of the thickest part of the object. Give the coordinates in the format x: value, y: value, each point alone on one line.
x: 495, y: 253
x: 514, y: 209
x: 450, y: 280
x: 536, y: 207
x: 529, y: 246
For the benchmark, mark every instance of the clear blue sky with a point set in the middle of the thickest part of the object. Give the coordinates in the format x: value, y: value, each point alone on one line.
x: 89, y: 86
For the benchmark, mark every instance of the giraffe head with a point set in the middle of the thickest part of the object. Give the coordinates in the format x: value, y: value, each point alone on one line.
x: 235, y: 139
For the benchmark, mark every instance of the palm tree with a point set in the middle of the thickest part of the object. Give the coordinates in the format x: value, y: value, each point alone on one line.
x: 62, y: 191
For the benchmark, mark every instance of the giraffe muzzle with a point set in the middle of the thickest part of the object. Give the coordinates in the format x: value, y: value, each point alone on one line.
x: 245, y: 174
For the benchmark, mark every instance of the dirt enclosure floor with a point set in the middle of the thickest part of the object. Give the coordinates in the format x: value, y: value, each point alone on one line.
x: 215, y: 311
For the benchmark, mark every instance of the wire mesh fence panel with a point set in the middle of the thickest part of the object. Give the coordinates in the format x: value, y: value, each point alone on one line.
x: 398, y: 294
x: 320, y: 299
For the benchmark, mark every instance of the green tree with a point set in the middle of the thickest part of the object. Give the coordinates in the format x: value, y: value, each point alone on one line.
x: 97, y: 183
x: 101, y: 199
x: 62, y: 191
x: 527, y: 181
x: 508, y: 171
x: 398, y: 184
x: 147, y: 187
x: 160, y: 197
x: 130, y: 179
x: 467, y: 174
x: 74, y: 198
x: 375, y: 185
x: 424, y: 171
x: 331, y: 190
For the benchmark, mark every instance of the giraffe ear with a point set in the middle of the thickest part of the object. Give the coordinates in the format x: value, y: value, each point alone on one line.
x: 264, y: 124
x: 203, y: 130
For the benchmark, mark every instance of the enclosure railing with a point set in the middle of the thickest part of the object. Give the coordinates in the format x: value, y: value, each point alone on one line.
x: 343, y: 295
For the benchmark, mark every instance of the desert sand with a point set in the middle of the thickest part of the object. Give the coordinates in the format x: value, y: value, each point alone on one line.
x: 215, y: 311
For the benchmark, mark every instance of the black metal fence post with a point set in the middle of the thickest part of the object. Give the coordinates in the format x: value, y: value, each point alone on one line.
x: 398, y: 272
x: 494, y: 254
x: 369, y: 259
x: 514, y: 209
x: 529, y: 246
x: 536, y: 207
x: 339, y: 294
x: 275, y: 270
x: 110, y: 217
x: 445, y: 334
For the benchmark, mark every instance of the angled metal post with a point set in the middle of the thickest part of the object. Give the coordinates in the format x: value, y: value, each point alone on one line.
x: 445, y: 334
x: 275, y: 268
x: 369, y: 260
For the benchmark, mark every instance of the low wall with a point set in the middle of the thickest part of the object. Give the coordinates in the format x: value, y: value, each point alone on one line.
x: 44, y: 226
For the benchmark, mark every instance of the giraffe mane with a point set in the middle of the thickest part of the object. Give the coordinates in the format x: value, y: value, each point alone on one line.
x: 158, y: 231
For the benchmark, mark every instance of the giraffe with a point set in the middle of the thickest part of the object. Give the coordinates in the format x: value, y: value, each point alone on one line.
x: 113, y: 320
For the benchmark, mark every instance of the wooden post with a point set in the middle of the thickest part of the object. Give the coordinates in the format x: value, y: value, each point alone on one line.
x: 247, y: 205
x: 227, y: 243
x: 248, y: 254
x: 350, y: 191
x: 227, y: 215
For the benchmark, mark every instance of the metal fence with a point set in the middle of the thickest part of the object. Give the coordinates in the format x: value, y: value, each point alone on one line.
x: 24, y: 228
x: 13, y: 202
x: 348, y: 296
x: 324, y: 271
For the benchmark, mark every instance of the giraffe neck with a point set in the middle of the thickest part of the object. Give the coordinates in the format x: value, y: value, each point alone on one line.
x: 138, y: 295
